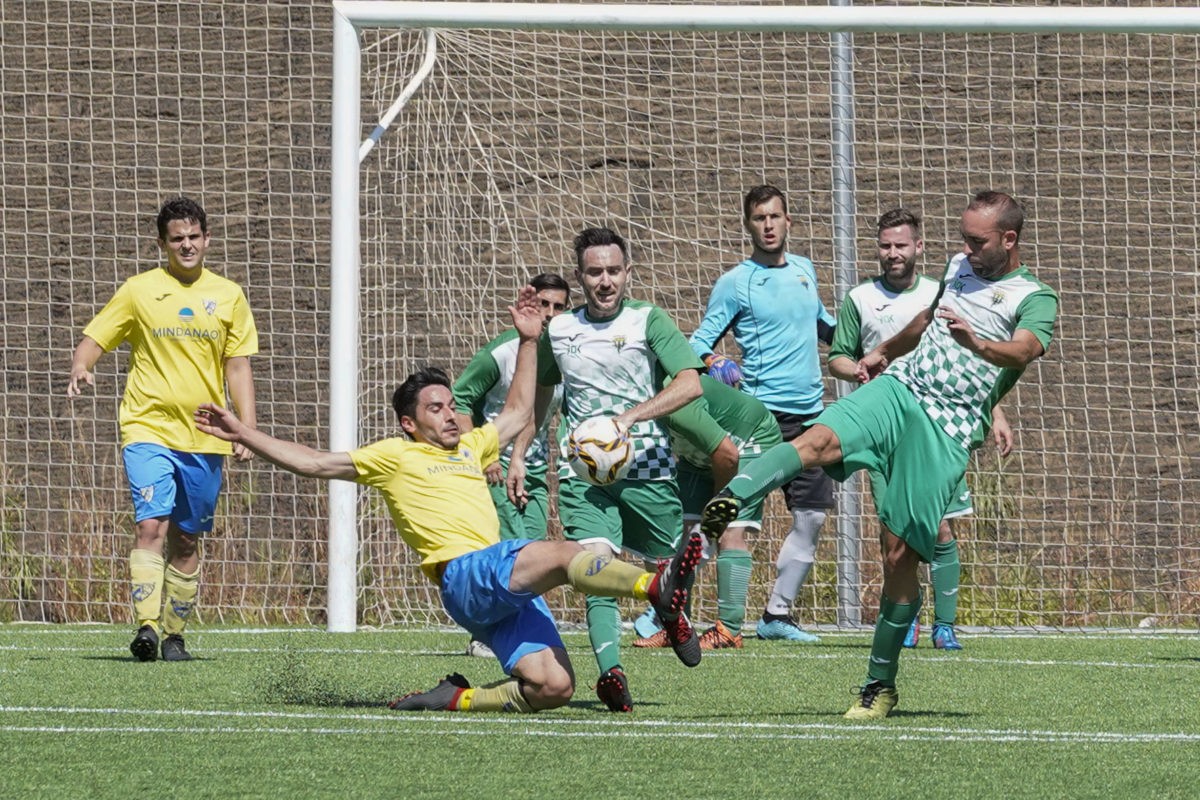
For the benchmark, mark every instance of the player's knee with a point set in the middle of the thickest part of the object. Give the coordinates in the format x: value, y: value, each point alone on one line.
x: 555, y: 691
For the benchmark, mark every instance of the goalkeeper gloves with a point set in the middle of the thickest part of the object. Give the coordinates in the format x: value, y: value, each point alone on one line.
x: 724, y: 369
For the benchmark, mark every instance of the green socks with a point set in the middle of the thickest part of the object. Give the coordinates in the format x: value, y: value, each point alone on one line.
x: 890, y: 628
x: 604, y: 631
x: 772, y: 469
x: 944, y: 573
x: 733, y: 582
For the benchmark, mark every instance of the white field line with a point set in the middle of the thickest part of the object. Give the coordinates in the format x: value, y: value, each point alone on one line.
x: 790, y: 656
x: 569, y: 629
x: 443, y: 724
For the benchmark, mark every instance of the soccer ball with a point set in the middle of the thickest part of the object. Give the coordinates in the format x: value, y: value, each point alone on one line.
x: 599, y: 452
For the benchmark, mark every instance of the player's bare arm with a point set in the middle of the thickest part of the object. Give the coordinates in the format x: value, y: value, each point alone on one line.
x: 292, y: 456
x: 1016, y: 353
x: 87, y: 353
x: 515, y: 480
x: 901, y: 344
x: 1002, y: 433
x: 844, y: 367
x: 518, y: 404
x: 683, y: 389
x: 240, y: 377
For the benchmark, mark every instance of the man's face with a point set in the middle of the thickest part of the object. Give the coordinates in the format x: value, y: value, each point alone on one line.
x: 553, y: 302
x: 433, y: 422
x: 899, y: 248
x: 986, y: 246
x: 184, y: 245
x: 768, y: 226
x: 604, y: 275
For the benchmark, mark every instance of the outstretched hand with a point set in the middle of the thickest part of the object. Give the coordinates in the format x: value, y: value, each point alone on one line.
x: 527, y: 313
x: 216, y: 421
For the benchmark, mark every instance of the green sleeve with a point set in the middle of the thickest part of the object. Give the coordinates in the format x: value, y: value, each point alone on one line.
x: 474, y: 383
x: 1036, y: 314
x: 695, y: 435
x: 669, y: 345
x: 847, y: 336
x: 548, y: 374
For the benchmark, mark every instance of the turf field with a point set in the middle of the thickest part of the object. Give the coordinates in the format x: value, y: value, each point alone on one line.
x: 298, y: 713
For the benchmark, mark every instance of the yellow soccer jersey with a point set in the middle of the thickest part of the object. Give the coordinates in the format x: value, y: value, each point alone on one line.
x: 438, y: 498
x: 179, y: 336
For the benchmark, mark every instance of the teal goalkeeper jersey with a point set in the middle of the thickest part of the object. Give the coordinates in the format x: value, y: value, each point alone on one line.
x: 956, y: 387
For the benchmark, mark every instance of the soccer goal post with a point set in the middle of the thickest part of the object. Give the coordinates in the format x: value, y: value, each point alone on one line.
x: 503, y: 128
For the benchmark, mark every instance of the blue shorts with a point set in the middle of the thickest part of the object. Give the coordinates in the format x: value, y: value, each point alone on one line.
x: 476, y: 595
x: 169, y: 483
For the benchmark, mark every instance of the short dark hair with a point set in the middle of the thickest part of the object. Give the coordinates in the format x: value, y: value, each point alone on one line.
x: 548, y: 280
x: 900, y: 216
x: 1009, y: 215
x: 598, y: 237
x: 759, y: 195
x: 181, y: 208
x: 404, y: 399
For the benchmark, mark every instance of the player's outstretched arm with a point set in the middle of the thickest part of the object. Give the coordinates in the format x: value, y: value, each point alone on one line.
x: 904, y: 342
x: 518, y: 404
x: 844, y: 367
x: 292, y: 456
x: 683, y: 389
x: 1017, y: 353
x: 87, y: 353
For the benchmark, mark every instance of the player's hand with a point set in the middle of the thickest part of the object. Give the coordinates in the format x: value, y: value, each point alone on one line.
x: 1002, y: 432
x: 78, y: 374
x: 219, y: 422
x: 870, y: 366
x: 527, y: 314
x: 494, y: 473
x: 241, y: 452
x: 623, y: 423
x: 959, y: 329
x: 724, y: 369
x: 515, y: 484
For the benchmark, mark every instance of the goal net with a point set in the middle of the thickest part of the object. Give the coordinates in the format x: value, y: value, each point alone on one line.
x: 518, y: 139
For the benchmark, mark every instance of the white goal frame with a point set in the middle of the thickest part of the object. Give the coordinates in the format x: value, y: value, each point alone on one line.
x: 350, y: 17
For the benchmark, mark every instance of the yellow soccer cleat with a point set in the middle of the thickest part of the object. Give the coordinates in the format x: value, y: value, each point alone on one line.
x: 875, y: 701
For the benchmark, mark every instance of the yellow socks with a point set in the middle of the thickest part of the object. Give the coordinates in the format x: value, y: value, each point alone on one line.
x: 502, y: 696
x: 181, y: 599
x: 606, y: 576
x: 146, y: 574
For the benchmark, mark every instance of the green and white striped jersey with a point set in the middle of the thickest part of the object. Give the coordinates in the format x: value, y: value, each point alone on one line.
x: 609, y: 366
x: 957, y: 388
x: 482, y: 388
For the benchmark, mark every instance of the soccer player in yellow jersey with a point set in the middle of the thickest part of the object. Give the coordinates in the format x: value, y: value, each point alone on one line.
x: 435, y: 489
x: 189, y: 331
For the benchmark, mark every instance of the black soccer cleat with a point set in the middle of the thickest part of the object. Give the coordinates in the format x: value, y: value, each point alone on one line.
x: 613, y: 690
x: 145, y: 644
x: 439, y: 698
x: 668, y: 593
x: 173, y: 649
x: 718, y: 513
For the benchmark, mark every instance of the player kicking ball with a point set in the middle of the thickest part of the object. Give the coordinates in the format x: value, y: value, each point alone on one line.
x: 434, y: 488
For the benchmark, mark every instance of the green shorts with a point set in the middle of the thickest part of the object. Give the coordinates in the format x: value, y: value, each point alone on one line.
x: 960, y: 505
x: 696, y: 489
x: 882, y: 427
x: 643, y: 517
x: 528, y: 522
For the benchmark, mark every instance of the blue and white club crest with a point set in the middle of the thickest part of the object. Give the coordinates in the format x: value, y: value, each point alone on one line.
x: 210, y: 306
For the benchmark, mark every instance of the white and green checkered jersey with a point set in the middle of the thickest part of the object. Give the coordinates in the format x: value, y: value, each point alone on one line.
x: 873, y: 312
x: 956, y: 387
x: 608, y: 366
x: 482, y: 388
